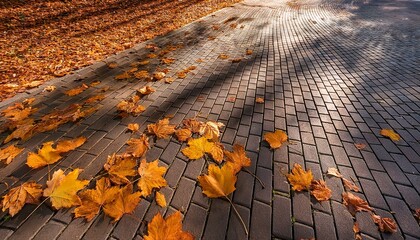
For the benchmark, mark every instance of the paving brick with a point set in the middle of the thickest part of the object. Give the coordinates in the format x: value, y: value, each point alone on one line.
x: 183, y: 193
x: 218, y: 219
x: 260, y: 193
x: 235, y: 228
x: 260, y: 221
x: 410, y: 196
x: 282, y: 217
x: 402, y: 215
x: 343, y: 220
x: 302, y: 231
x: 174, y: 173
x: 170, y: 153
x: 385, y: 184
x: 127, y: 227
x: 324, y: 225
x: 395, y: 173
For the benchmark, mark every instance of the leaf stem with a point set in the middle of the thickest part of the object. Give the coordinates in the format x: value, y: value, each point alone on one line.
x: 255, y: 176
x: 237, y: 213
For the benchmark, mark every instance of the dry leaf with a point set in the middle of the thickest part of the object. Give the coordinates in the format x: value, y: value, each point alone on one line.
x: 94, y: 199
x: 356, y: 231
x: 169, y: 80
x: 69, y: 145
x: 275, y: 139
x: 7, y: 154
x: 95, y: 83
x: 219, y: 182
x: 112, y: 65
x: 131, y: 106
x: 134, y: 127
x: 151, y: 176
x: 384, y: 224
x: 223, y: 56
x: 160, y: 199
x: 334, y: 172
x: 62, y: 190
x: 360, y: 146
x: 76, y: 91
x: 389, y: 133
x: 181, y: 74
x: 167, y: 60
x: 248, y: 52
x: 211, y: 130
x: 146, y: 90
x: 320, y: 190
x: 349, y: 185
x: 17, y: 197
x: 171, y: 228
x: 33, y: 84
x: 259, y: 100
x: 193, y: 124
x: 183, y: 134
x: 95, y: 99
x: 199, y: 60
x: 151, y: 55
x: 23, y: 132
x: 159, y: 75
x: 119, y: 167
x: 138, y: 146
x: 198, y: 147
x: 49, y: 88
x: 142, y: 75
x: 124, y: 202
x: 144, y: 62
x: 236, y: 60
x: 162, y: 129
x: 354, y: 203
x: 237, y: 159
x: 299, y: 178
x: 417, y: 215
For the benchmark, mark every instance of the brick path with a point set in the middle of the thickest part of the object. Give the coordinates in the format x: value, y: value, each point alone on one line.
x: 332, y: 73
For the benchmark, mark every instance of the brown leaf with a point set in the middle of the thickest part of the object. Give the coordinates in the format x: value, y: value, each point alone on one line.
x: 389, y: 133
x: 94, y: 99
x: 354, y: 203
x: 142, y: 75
x: 193, y: 124
x: 76, y: 91
x: 259, y: 100
x: 167, y: 60
x: 237, y: 159
x: 349, y: 185
x: 299, y: 178
x: 158, y: 75
x: 183, y: 134
x: 151, y: 177
x: 236, y: 60
x: 119, y: 167
x: 360, y: 146
x: 356, y: 231
x: 112, y: 65
x: 248, y: 52
x: 17, y: 197
x: 49, y: 88
x: 95, y: 83
x: 320, y: 190
x: 138, y: 146
x: 7, y: 154
x: 162, y: 129
x: 123, y: 76
x: 334, y: 172
x: 384, y: 224
x: 223, y: 56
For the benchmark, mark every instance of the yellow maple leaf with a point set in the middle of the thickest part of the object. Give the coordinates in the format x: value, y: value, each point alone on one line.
x: 124, y: 202
x: 275, y: 139
x: 23, y: 132
x: 146, y: 90
x: 7, y: 154
x: 198, y: 147
x: 119, y: 167
x: 390, y: 134
x: 183, y: 134
x: 15, y: 199
x: 237, y: 159
x: 69, y: 145
x: 160, y: 199
x: 76, y: 91
x: 134, y: 127
x: 299, y: 178
x: 219, y: 182
x: 320, y: 190
x: 131, y: 106
x: 94, y: 199
x: 62, y: 189
x: 169, y: 229
x: 138, y: 146
x: 162, y: 129
x: 158, y: 75
x: 211, y: 130
x: 151, y: 176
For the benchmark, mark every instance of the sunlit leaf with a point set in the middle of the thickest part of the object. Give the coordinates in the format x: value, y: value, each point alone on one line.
x: 160, y: 199
x: 151, y: 177
x: 76, y: 91
x: 161, y: 129
x: 7, y: 154
x: 275, y: 139
x: 138, y: 146
x: 354, y: 203
x: 119, y: 167
x: 17, y: 197
x: 237, y: 159
x: 320, y: 190
x: 219, y: 182
x: 299, y: 178
x: 124, y: 203
x: 390, y: 134
x: 171, y: 228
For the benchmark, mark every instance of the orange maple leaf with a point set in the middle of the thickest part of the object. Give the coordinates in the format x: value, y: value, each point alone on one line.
x: 171, y: 228
x: 7, y: 154
x: 198, y: 147
x: 119, y: 167
x: 94, y: 199
x: 211, y: 130
x: 259, y: 100
x: 183, y: 134
x: 219, y: 182
x: 15, y: 199
x: 134, y: 127
x: 146, y: 90
x: 162, y: 129
x: 275, y: 139
x: 138, y: 146
x: 299, y: 178
x: 193, y: 124
x: 76, y: 91
x: 160, y: 199
x: 151, y: 176
x: 131, y: 106
x: 384, y: 224
x: 237, y: 159
x: 95, y: 99
x: 62, y: 189
x: 124, y: 202
x: 320, y: 190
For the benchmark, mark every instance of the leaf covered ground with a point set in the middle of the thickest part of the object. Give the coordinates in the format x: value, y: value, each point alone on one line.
x: 41, y: 40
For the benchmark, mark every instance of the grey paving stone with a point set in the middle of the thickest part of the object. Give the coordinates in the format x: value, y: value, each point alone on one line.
x: 261, y: 221
x: 324, y: 225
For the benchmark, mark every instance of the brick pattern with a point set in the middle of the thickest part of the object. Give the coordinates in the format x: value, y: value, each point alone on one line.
x: 332, y: 74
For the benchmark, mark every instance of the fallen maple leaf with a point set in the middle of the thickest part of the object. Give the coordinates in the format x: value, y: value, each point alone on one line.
x: 159, y: 75
x: 151, y: 55
x: 211, y: 130
x: 167, y: 60
x: 236, y: 60
x: 151, y: 176
x: 23, y: 132
x: 112, y: 65
x: 390, y: 134
x: 349, y: 185
x: 123, y: 76
x: 360, y: 146
x: 183, y: 134
x: 69, y: 145
x: 198, y: 147
x: 134, y: 127
x: 169, y: 80
x: 354, y: 203
x: 182, y: 74
x: 138, y: 146
x: 49, y: 88
x: 95, y: 99
x: 417, y: 214
x: 124, y: 202
x: 162, y: 129
x: 171, y: 228
x: 223, y: 56
x: 275, y: 139
x: 62, y: 190
x: 76, y: 91
x: 17, y: 197
x: 259, y: 100
x: 146, y: 90
x: 144, y: 62
x: 334, y: 172
x: 7, y: 154
x: 356, y: 230
x: 142, y: 75
x: 119, y: 167
x: 95, y: 83
x: 299, y: 178
x: 193, y: 124
x: 237, y: 159
x: 131, y: 106
x: 219, y: 182
x: 94, y: 199
x: 248, y: 52
x: 320, y: 190
x: 160, y: 199
x: 384, y: 224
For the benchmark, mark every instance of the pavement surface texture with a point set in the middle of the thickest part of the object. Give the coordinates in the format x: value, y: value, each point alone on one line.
x: 332, y: 73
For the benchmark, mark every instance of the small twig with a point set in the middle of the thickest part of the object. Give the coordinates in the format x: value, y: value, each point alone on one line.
x: 255, y: 176
x: 237, y: 213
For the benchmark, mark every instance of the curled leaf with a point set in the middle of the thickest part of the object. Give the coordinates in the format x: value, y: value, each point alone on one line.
x: 354, y: 203
x: 334, y: 172
x: 389, y: 133
x: 211, y: 130
x: 320, y: 190
x: 384, y: 224
x: 349, y: 185
x: 9, y: 153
